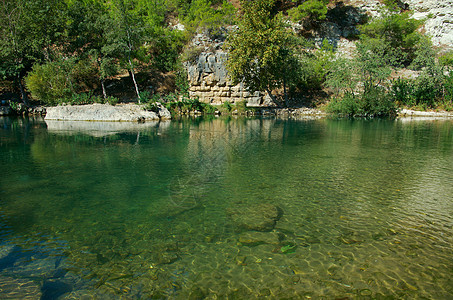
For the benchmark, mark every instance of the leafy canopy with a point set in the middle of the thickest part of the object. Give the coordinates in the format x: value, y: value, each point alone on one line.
x: 260, y: 51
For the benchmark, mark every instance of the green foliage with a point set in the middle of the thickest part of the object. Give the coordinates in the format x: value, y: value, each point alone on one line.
x: 201, y: 13
x: 226, y: 106
x: 342, y: 76
x: 30, y: 31
x: 374, y: 102
x: 54, y: 82
x: 260, y: 51
x: 182, y: 81
x: 446, y: 59
x: 145, y: 96
x: 401, y: 91
x: 188, y: 105
x: 241, y: 106
x: 312, y: 67
x: 164, y: 48
x: 191, y: 54
x: 393, y: 35
x: 313, y: 10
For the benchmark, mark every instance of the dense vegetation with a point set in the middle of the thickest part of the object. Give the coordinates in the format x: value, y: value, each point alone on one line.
x: 68, y: 51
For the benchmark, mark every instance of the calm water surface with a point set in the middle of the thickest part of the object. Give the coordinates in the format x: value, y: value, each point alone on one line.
x: 110, y: 211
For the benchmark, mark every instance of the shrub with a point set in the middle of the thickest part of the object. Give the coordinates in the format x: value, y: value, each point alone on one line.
x: 312, y: 10
x: 226, y: 106
x: 182, y: 81
x: 373, y: 102
x: 60, y: 81
x: 401, y: 91
x: 393, y: 34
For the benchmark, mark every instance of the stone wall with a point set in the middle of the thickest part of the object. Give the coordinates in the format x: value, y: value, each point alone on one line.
x: 209, y: 82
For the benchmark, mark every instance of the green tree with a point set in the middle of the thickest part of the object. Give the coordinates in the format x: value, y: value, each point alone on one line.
x: 31, y: 31
x: 260, y: 51
x: 89, y: 23
x: 126, y: 35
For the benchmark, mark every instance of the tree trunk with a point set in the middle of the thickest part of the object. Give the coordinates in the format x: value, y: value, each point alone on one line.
x: 104, y: 93
x: 133, y: 79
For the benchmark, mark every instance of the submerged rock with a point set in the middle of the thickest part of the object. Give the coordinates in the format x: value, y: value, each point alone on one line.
x: 254, y: 238
x: 259, y: 217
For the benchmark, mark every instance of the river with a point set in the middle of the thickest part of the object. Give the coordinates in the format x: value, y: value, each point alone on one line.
x: 167, y: 210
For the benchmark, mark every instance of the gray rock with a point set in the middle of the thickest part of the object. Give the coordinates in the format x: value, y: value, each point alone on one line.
x: 100, y: 112
x: 5, y: 111
x: 163, y: 112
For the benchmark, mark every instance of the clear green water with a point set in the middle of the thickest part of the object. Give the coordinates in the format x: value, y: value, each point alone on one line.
x: 143, y: 212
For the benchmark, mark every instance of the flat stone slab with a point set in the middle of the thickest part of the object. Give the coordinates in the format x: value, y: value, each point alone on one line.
x: 104, y: 112
x: 426, y: 114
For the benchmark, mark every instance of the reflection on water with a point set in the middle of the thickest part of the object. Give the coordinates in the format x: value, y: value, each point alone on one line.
x: 174, y: 210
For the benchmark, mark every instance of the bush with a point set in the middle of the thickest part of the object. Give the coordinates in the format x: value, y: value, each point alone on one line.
x: 60, y: 81
x: 401, y: 91
x: 374, y: 102
x: 182, y: 81
x: 313, y: 10
x: 394, y: 35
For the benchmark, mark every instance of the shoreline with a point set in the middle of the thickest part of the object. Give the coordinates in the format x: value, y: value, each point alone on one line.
x: 131, y: 112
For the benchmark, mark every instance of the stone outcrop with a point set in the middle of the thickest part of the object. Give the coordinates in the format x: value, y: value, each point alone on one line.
x: 105, y: 112
x: 209, y: 82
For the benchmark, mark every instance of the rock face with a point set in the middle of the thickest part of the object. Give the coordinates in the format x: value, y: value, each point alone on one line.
x: 260, y: 217
x: 105, y: 112
x: 439, y: 15
x: 209, y: 82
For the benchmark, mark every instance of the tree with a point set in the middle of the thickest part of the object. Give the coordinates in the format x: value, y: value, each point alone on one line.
x: 260, y: 51
x: 125, y: 36
x: 30, y: 30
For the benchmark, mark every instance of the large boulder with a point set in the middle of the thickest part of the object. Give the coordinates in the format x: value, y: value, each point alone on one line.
x: 257, y: 217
